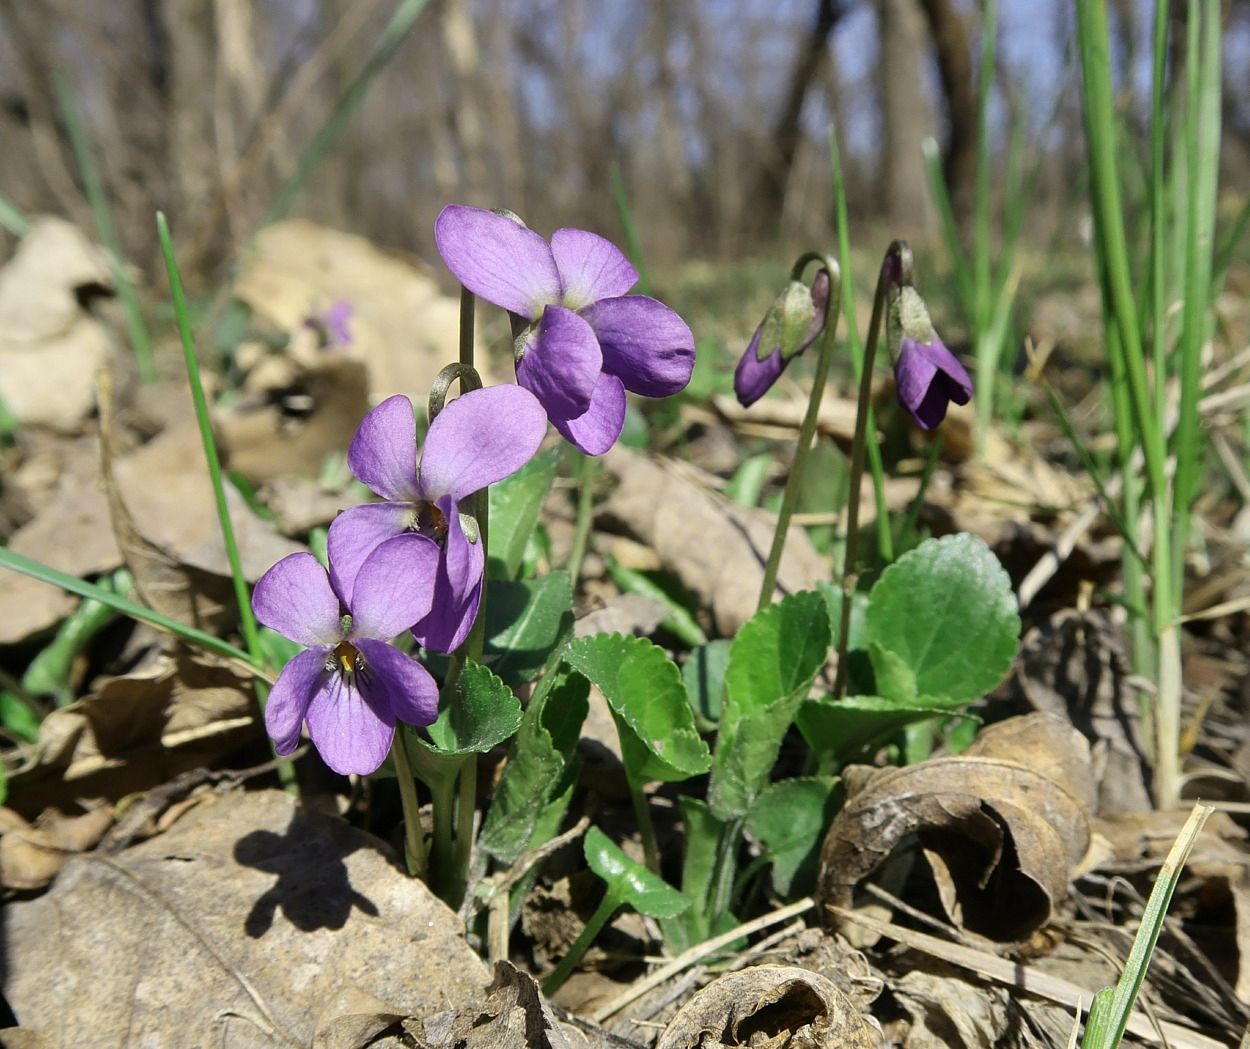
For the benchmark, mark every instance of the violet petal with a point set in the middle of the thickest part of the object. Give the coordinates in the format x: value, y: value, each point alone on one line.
x: 498, y: 259
x: 290, y: 695
x: 294, y: 598
x: 356, y: 533
x: 596, y: 430
x: 394, y: 587
x: 480, y: 438
x: 591, y: 267
x: 457, y: 588
x: 753, y: 378
x: 410, y: 691
x: 351, y: 729
x: 644, y: 343
x: 561, y: 364
x: 929, y: 377
x: 383, y: 454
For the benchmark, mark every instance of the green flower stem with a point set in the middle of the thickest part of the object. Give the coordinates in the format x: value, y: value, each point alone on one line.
x: 917, y: 504
x: 442, y: 789
x: 807, y: 430
x: 587, y: 471
x: 140, y: 613
x: 897, y: 255
x: 724, y: 869
x: 885, y: 541
x: 414, y: 838
x: 646, y: 829
x: 467, y: 304
x: 611, y: 902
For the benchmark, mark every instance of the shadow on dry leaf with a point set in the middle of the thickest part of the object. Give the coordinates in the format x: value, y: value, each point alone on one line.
x: 769, y: 1005
x: 1002, y: 825
x: 309, y: 898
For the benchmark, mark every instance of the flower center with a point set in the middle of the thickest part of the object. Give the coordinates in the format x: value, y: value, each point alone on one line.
x: 345, y: 659
x: 428, y: 520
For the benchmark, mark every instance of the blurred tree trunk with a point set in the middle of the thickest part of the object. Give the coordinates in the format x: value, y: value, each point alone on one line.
x: 954, y: 55
x: 460, y: 41
x: 778, y: 158
x: 906, y: 117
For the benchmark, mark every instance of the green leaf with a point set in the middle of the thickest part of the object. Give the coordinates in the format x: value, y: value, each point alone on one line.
x: 701, y: 833
x: 536, y: 764
x: 482, y: 714
x: 893, y: 678
x: 948, y: 611
x: 525, y: 621
x: 704, y: 675
x: 747, y: 482
x: 648, y: 700
x: 840, y: 730
x: 789, y: 819
x: 631, y: 882
x: 18, y: 716
x: 515, y: 503
x: 772, y: 664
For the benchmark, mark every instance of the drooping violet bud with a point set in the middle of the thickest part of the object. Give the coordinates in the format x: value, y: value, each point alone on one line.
x: 927, y: 375
x: 795, y: 320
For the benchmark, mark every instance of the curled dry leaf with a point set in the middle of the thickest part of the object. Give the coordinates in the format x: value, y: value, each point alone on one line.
x: 1002, y: 825
x: 31, y: 856
x: 241, y: 925
x: 716, y: 548
x: 777, y: 1006
x: 137, y: 731
x: 50, y: 347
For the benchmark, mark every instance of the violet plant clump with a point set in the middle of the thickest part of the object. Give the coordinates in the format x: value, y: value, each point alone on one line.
x: 581, y: 339
x: 480, y: 438
x: 350, y: 685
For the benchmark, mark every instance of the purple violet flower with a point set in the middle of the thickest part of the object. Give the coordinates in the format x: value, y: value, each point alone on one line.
x: 477, y: 439
x: 760, y: 367
x: 349, y: 684
x: 928, y: 377
x: 587, y: 341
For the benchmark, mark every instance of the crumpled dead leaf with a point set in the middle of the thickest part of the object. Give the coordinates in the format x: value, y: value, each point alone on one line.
x: 50, y: 347
x: 243, y: 925
x: 947, y: 1008
x: 773, y: 1006
x: 31, y: 856
x: 1073, y: 665
x: 136, y: 731
x: 716, y: 548
x: 402, y: 327
x: 1003, y: 825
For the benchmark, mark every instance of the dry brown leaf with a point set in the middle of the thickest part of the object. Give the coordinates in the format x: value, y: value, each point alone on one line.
x: 946, y: 1009
x: 50, y: 349
x: 1002, y: 825
x: 716, y: 548
x: 136, y: 731
x: 30, y: 857
x: 234, y: 928
x: 773, y: 1006
x: 1073, y: 665
x: 402, y: 327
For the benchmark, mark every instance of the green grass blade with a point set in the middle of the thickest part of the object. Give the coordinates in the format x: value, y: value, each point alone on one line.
x: 633, y: 242
x: 397, y: 29
x: 11, y: 218
x: 241, y: 592
x: 960, y: 265
x: 985, y: 86
x: 1097, y: 1029
x: 74, y: 585
x: 93, y: 186
x: 1126, y: 990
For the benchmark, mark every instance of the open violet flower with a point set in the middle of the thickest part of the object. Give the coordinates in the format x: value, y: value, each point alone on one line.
x: 481, y: 437
x: 586, y: 341
x: 349, y: 684
x: 795, y: 320
x: 928, y: 376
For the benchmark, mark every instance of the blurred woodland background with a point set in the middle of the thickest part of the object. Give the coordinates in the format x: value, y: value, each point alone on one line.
x: 715, y: 112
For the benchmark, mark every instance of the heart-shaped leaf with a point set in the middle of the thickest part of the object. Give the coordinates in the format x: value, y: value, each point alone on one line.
x: 648, y: 700
x: 630, y: 882
x: 789, y: 819
x: 482, y: 714
x: 525, y: 621
x: 948, y: 611
x: 515, y: 503
x: 839, y: 731
x: 772, y: 664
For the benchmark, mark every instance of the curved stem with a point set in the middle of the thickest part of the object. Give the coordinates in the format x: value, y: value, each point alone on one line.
x: 646, y: 829
x: 414, y: 839
x: 597, y: 921
x: 896, y: 270
x: 807, y: 430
